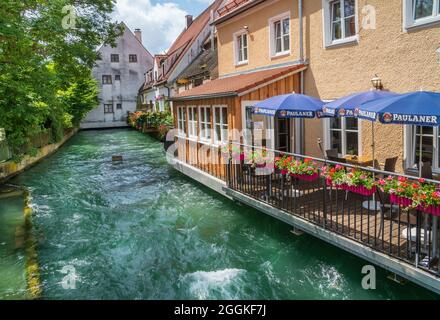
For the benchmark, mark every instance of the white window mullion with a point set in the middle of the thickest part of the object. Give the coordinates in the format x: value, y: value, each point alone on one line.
x: 435, y: 156
x: 344, y: 137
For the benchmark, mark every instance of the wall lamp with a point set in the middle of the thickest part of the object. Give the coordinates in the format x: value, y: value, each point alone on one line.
x: 377, y: 82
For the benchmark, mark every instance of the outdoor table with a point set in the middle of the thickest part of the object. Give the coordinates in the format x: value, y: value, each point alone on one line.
x: 362, y: 161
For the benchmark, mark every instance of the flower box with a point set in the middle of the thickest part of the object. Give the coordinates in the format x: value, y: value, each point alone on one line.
x: 362, y: 190
x: 401, y: 201
x: 238, y: 157
x: 406, y: 202
x: 283, y: 172
x: 330, y: 183
x: 306, y: 177
x: 431, y: 210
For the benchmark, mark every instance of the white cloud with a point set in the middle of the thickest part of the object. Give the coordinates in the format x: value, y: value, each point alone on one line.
x: 161, y: 23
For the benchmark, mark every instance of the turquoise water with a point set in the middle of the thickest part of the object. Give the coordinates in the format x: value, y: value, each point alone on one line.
x: 12, y: 248
x: 141, y: 230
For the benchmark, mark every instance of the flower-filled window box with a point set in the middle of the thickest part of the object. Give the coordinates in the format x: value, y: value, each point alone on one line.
x: 351, y: 179
x: 306, y: 170
x: 259, y: 159
x: 418, y: 195
x: 233, y: 152
x: 282, y: 164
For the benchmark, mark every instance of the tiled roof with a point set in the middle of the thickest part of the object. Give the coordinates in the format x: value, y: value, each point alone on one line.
x: 230, y: 6
x: 205, y: 63
x: 183, y: 43
x: 234, y: 85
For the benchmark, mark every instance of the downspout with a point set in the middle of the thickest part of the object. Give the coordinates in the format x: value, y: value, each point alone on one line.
x: 300, y: 125
x: 301, y: 31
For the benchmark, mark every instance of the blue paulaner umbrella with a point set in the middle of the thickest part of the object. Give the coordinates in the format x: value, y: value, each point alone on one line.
x: 290, y: 106
x: 418, y: 108
x: 346, y: 106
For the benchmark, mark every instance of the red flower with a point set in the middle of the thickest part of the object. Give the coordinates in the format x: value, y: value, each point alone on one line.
x: 402, y: 179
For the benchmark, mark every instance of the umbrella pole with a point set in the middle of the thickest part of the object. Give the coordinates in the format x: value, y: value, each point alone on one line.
x: 420, y: 152
x: 373, y: 146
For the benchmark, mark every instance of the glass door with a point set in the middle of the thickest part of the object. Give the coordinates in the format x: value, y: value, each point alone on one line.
x: 282, y: 134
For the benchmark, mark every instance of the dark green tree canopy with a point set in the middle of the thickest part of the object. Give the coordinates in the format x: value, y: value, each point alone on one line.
x: 47, y: 51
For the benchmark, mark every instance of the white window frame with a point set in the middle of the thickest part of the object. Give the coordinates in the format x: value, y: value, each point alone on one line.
x: 327, y: 25
x: 272, y: 39
x: 181, y: 121
x: 204, y: 122
x: 192, y: 122
x: 409, y: 20
x: 246, y: 135
x: 411, y: 141
x: 343, y: 130
x: 223, y: 123
x: 237, y: 49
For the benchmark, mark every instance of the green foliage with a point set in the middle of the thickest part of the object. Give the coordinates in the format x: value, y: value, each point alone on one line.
x: 45, y: 68
x: 162, y: 121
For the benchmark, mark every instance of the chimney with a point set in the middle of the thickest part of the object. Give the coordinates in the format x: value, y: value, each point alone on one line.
x: 138, y: 34
x: 189, y: 20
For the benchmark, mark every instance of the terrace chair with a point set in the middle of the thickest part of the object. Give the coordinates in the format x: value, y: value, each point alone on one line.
x: 337, y: 159
x: 332, y: 153
x: 427, y: 170
x: 390, y: 164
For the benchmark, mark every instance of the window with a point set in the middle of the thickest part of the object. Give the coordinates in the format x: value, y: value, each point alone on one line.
x: 197, y: 82
x: 241, y: 48
x: 205, y: 123
x: 108, y: 108
x: 343, y: 134
x: 181, y: 121
x: 114, y: 58
x: 132, y: 58
x: 119, y: 106
x: 421, y: 12
x: 118, y: 77
x: 340, y: 21
x: 430, y: 143
x: 192, y: 122
x: 220, y: 124
x: 280, y: 35
x: 106, y: 79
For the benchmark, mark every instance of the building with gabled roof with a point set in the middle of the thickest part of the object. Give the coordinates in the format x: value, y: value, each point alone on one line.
x: 119, y: 72
x: 160, y: 79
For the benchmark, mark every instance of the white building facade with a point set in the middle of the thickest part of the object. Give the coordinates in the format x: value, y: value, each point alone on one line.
x: 120, y: 74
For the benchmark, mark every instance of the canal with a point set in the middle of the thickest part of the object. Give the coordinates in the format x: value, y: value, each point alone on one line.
x: 141, y: 230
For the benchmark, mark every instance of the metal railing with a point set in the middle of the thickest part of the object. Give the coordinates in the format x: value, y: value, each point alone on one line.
x: 409, y: 235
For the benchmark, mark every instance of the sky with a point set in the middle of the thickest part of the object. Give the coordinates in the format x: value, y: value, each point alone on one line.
x: 160, y: 21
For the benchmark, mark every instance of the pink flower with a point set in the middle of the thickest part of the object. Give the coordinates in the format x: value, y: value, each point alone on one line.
x: 339, y: 167
x: 402, y: 179
x: 421, y: 180
x: 382, y: 182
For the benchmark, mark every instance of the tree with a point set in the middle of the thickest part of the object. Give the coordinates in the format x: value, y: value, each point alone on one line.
x: 47, y: 51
